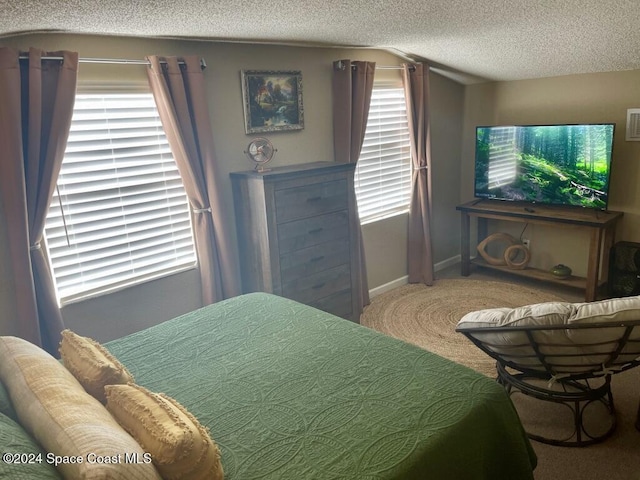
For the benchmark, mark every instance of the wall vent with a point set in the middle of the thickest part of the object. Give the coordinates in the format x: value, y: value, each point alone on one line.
x: 633, y: 125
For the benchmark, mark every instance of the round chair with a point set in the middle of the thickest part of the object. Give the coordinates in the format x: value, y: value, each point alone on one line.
x: 564, y: 353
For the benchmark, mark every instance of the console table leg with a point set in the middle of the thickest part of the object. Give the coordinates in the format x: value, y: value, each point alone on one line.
x: 609, y: 240
x: 593, y: 267
x: 465, y: 232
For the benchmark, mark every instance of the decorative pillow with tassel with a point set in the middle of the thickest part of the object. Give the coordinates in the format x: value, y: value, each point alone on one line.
x: 91, y: 364
x: 180, y: 447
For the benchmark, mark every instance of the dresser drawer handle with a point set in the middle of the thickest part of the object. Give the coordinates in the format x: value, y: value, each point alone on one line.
x: 317, y: 259
x: 314, y: 199
x: 315, y: 230
x: 319, y: 285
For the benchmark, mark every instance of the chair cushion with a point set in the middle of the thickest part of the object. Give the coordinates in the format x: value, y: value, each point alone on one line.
x: 91, y: 364
x: 54, y: 408
x: 179, y: 445
x: 591, y: 346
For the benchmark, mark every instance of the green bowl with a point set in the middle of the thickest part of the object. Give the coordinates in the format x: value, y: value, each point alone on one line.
x: 561, y: 271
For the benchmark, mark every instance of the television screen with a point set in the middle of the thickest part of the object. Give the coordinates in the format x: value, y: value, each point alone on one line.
x: 550, y: 164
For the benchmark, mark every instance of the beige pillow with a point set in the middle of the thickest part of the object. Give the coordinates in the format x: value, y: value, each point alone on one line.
x: 91, y: 364
x: 179, y: 445
x: 65, y: 419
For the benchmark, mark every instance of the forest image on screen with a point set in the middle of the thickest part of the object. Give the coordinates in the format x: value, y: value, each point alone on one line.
x: 556, y: 164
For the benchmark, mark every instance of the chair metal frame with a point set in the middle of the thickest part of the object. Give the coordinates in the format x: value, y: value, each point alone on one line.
x: 576, y: 390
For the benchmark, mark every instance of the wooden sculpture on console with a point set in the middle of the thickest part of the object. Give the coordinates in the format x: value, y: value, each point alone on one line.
x: 510, y: 254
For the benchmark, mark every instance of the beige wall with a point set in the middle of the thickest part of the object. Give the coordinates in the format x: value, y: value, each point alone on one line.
x: 447, y: 107
x: 601, y: 97
x: 122, y: 312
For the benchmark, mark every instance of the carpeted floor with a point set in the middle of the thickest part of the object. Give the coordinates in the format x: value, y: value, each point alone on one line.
x: 427, y: 316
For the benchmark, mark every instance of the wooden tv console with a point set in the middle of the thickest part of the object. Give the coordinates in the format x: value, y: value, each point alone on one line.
x: 600, y: 223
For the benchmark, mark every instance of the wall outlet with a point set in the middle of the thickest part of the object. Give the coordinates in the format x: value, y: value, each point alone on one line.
x: 526, y: 242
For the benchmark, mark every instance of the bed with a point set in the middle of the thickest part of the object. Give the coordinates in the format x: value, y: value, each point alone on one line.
x: 291, y: 392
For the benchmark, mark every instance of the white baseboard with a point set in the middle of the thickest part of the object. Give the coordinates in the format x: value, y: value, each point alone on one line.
x: 447, y: 263
x: 398, y: 282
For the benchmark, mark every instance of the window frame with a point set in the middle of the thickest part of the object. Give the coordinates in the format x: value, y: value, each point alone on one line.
x: 133, y: 88
x: 405, y: 175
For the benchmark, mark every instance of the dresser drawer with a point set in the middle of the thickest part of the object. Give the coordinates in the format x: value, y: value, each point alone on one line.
x: 319, y: 285
x: 307, y: 261
x: 297, y: 234
x: 310, y: 200
x: 312, y: 231
x: 338, y: 304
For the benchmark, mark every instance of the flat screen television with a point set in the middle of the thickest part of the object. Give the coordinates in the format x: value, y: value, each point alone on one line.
x: 546, y: 164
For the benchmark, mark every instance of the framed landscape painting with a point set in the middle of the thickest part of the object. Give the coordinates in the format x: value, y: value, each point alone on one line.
x: 272, y: 101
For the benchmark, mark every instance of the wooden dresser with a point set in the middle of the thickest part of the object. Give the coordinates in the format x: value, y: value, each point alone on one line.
x: 297, y: 234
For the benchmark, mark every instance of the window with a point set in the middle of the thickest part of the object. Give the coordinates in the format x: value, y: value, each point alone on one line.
x: 120, y: 214
x: 383, y: 174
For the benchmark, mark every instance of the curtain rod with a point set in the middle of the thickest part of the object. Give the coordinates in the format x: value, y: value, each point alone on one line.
x: 389, y: 67
x: 341, y: 66
x: 120, y: 61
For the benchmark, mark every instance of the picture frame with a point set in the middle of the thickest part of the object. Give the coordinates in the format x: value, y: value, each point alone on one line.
x: 272, y: 100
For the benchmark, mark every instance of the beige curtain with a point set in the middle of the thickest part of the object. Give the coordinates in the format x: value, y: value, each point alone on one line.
x: 36, y: 105
x: 180, y: 94
x: 419, y: 253
x: 352, y: 87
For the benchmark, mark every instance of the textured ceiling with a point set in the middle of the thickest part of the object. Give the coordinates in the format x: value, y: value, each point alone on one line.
x: 492, y: 39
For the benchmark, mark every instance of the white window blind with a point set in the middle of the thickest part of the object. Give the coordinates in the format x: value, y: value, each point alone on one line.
x: 383, y: 174
x: 122, y: 215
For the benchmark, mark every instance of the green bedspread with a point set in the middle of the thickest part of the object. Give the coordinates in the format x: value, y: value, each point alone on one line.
x: 290, y: 392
